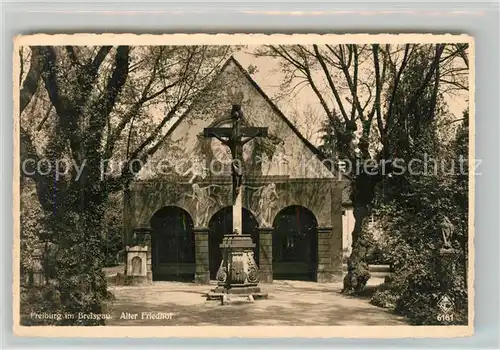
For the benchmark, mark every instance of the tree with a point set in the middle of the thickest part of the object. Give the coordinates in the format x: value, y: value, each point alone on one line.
x: 308, y: 121
x: 31, y: 222
x: 83, y: 105
x: 411, y: 204
x: 411, y: 212
x: 358, y: 87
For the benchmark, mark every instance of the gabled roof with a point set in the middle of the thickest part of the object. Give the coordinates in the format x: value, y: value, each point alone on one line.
x: 275, y: 108
x: 313, y: 149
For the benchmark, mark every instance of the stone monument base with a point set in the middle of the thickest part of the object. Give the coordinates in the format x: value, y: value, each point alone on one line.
x: 229, y: 298
x: 136, y: 280
x: 237, y: 277
x: 138, y: 265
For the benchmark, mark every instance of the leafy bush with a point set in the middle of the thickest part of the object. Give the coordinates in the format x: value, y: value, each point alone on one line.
x: 410, y: 208
x: 377, y: 254
x: 384, y: 298
x: 113, y: 230
x: 113, y: 245
x: 421, y: 295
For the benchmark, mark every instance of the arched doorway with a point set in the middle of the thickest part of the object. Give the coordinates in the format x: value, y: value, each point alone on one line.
x: 172, y: 245
x: 220, y: 224
x: 295, y: 242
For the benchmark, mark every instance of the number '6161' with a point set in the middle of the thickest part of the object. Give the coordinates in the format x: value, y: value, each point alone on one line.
x: 445, y: 317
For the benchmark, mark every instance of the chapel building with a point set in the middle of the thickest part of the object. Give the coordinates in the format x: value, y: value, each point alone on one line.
x: 295, y: 204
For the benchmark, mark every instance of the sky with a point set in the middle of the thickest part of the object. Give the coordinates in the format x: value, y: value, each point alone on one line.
x: 269, y: 77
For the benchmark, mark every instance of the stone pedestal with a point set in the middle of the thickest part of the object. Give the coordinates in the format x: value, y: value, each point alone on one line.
x: 238, y: 274
x: 138, y: 261
x: 446, y: 267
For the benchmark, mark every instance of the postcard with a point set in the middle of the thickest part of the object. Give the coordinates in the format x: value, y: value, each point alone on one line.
x: 244, y: 185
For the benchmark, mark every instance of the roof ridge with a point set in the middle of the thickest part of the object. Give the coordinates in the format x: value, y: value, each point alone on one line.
x: 309, y: 145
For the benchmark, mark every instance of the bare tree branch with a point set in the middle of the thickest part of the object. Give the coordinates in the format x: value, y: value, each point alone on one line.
x: 99, y: 58
x: 427, y: 78
x: 397, y: 79
x: 331, y: 83
x: 113, y: 87
x: 378, y: 89
x: 47, y: 115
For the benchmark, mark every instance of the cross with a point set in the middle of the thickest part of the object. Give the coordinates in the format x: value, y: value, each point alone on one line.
x: 235, y: 137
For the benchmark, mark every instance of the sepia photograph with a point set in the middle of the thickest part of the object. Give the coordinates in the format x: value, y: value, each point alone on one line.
x: 251, y: 181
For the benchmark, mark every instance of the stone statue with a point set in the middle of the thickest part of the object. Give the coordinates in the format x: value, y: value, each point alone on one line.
x: 237, y: 273
x: 447, y: 229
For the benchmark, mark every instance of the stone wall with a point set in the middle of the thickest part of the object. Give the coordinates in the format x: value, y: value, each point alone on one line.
x: 286, y: 152
x: 323, y: 197
x: 145, y: 198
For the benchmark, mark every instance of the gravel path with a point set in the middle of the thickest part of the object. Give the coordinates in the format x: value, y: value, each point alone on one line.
x: 289, y: 303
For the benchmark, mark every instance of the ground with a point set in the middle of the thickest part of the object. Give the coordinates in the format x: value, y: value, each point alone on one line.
x: 289, y: 303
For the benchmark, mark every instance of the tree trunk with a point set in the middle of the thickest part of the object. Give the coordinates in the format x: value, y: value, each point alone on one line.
x: 358, y: 272
x: 80, y: 280
x: 362, y: 195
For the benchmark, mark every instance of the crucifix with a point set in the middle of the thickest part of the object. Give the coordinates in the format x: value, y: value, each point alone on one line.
x: 235, y: 137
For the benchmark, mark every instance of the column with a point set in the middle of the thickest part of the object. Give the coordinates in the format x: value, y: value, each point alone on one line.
x: 238, y: 213
x: 336, y: 236
x: 202, y: 270
x: 324, y: 272
x: 266, y: 254
x: 149, y: 257
x: 446, y: 269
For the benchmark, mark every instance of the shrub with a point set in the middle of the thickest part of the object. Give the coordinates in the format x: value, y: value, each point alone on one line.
x: 113, y: 245
x: 384, y: 298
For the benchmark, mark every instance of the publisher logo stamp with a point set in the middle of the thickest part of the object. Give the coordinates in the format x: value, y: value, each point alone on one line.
x: 445, y: 305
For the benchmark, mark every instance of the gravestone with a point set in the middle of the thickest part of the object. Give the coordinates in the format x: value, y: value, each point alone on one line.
x: 138, y: 260
x: 37, y: 275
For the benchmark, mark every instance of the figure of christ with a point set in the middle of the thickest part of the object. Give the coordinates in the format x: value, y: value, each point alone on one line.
x: 235, y: 138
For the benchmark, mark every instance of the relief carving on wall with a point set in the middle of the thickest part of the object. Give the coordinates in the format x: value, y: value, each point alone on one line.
x: 271, y: 156
x: 205, y: 199
x: 264, y: 201
x: 197, y: 169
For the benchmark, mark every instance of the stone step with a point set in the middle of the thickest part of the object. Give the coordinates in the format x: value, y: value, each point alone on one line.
x: 229, y: 299
x: 225, y: 298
